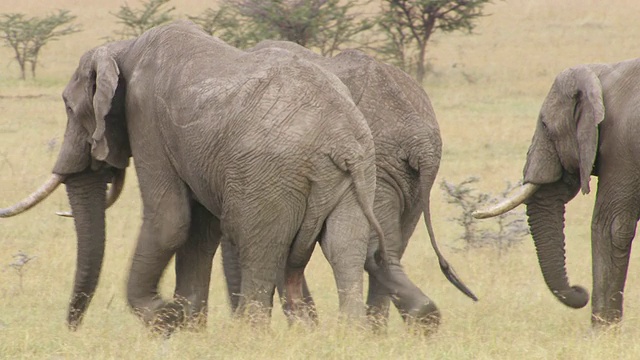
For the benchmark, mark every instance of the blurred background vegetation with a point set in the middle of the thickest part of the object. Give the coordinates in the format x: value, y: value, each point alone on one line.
x: 398, y: 32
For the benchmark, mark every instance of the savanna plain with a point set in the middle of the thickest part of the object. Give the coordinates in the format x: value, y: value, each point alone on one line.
x: 486, y: 89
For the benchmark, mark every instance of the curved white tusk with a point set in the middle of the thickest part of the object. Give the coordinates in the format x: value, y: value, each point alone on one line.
x: 507, y: 204
x: 37, y: 196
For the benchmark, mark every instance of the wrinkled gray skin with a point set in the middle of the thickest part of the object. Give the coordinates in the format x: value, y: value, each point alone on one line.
x: 262, y: 147
x: 408, y: 150
x: 589, y: 124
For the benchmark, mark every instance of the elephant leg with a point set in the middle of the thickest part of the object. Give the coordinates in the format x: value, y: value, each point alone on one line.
x: 165, y: 228
x: 416, y: 309
x: 263, y: 245
x: 297, y: 302
x: 232, y: 272
x: 306, y: 306
x: 378, y: 301
x: 294, y: 305
x: 344, y: 244
x: 193, y: 265
x: 613, y: 228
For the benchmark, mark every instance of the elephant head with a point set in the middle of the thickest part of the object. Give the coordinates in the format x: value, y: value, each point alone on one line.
x: 95, y: 151
x: 560, y: 162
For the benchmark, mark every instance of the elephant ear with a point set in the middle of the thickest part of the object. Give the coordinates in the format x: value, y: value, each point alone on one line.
x: 109, y: 140
x: 589, y: 113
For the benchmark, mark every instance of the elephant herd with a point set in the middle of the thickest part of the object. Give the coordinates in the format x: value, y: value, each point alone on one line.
x: 270, y: 150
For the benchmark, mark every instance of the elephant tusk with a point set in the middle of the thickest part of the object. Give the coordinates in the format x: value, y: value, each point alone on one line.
x: 507, y: 204
x: 37, y: 196
x: 112, y: 194
x: 64, y: 213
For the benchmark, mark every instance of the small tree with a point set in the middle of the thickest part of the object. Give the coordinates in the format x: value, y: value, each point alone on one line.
x: 229, y: 25
x: 409, y: 24
x: 511, y: 226
x: 465, y: 197
x: 27, y: 36
x: 323, y: 24
x: 508, y: 229
x: 137, y: 21
x: 20, y: 260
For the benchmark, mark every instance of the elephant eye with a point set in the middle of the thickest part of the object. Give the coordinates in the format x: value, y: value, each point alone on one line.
x: 545, y: 126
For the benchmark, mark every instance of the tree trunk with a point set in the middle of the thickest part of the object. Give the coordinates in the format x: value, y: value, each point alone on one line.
x: 421, y: 67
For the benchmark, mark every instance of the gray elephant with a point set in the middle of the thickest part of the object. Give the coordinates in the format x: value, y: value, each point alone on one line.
x: 408, y: 150
x: 262, y: 147
x: 588, y: 125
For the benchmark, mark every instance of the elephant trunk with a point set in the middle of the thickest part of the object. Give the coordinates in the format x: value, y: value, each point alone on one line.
x: 113, y: 193
x: 546, y: 221
x: 86, y: 193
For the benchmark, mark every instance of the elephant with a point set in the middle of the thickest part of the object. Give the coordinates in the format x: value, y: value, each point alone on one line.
x: 263, y: 148
x: 408, y: 150
x: 588, y: 125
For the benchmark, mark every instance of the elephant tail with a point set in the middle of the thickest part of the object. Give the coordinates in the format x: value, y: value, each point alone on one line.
x: 447, y: 270
x: 360, y: 184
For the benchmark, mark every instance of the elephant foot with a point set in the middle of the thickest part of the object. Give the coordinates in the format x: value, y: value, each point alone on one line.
x: 378, y: 319
x: 254, y: 313
x: 301, y: 312
x: 163, y: 319
x: 168, y: 319
x: 195, y: 315
x: 423, y: 320
x: 606, y: 320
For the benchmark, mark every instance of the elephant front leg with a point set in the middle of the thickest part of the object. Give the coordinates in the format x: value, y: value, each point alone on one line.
x: 193, y: 266
x: 613, y: 229
x: 165, y: 228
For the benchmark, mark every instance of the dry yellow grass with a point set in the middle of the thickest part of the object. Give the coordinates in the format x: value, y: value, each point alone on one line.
x: 486, y: 89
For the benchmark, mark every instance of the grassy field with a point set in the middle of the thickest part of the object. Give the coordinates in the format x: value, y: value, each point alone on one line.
x: 486, y: 89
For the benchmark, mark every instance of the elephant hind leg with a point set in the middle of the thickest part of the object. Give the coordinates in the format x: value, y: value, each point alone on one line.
x: 378, y: 301
x: 418, y: 311
x: 344, y: 244
x: 232, y: 272
x: 263, y: 238
x: 297, y: 302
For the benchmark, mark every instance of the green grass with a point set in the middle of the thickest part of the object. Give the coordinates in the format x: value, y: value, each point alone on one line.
x: 486, y: 105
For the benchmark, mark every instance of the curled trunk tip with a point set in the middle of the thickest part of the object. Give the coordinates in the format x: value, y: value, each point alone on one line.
x: 508, y: 204
x: 576, y: 297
